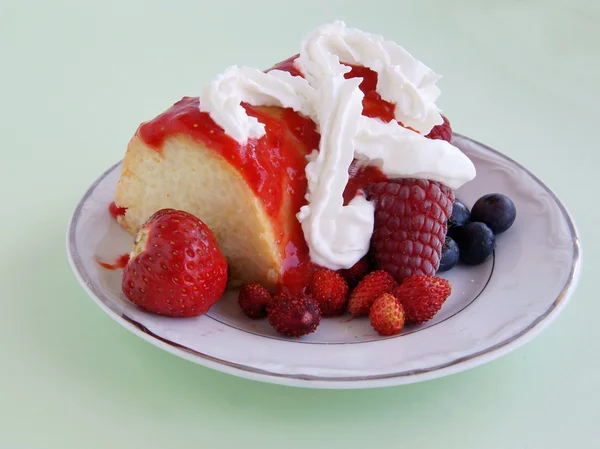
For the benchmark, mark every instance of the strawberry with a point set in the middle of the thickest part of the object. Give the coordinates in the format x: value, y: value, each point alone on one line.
x: 422, y: 296
x: 368, y: 290
x: 410, y: 225
x: 253, y: 300
x: 176, y: 267
x: 387, y: 315
x: 356, y: 272
x: 330, y: 290
x: 442, y: 132
x: 294, y: 315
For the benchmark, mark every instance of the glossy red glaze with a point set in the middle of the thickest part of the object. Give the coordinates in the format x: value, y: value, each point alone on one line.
x: 297, y: 267
x: 120, y: 262
x: 273, y: 166
x: 116, y: 211
x: 373, y: 105
x: 288, y: 66
x: 267, y: 164
x: 359, y: 178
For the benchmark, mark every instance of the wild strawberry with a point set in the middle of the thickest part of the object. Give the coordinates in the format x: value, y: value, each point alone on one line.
x: 176, y: 267
x: 422, y: 296
x: 442, y: 132
x: 368, y: 290
x: 253, y: 300
x: 356, y: 272
x: 294, y: 315
x: 410, y: 225
x: 330, y: 290
x: 387, y: 315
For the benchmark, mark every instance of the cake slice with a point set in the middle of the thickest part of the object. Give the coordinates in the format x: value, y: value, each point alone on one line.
x: 248, y: 195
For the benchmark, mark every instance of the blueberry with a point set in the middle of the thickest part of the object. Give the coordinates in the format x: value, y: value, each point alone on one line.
x: 495, y: 210
x: 476, y: 242
x: 460, y: 217
x: 450, y: 255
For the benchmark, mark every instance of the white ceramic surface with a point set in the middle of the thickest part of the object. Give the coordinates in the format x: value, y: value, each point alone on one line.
x: 494, y: 307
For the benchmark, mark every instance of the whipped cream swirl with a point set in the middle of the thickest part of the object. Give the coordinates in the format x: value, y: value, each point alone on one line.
x: 337, y: 235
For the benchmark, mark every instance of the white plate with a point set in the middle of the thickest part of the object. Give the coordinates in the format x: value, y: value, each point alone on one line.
x: 494, y: 307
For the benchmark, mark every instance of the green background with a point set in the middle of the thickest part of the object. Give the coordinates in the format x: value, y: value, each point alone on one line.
x: 77, y: 78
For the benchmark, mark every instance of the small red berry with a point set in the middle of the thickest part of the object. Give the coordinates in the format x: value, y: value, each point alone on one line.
x: 368, y: 290
x: 422, y: 296
x: 253, y: 300
x: 387, y: 315
x: 294, y: 315
x: 356, y: 272
x: 330, y: 290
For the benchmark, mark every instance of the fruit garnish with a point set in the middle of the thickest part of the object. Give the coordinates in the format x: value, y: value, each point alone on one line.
x: 368, y: 290
x: 387, y: 315
x: 422, y: 296
x: 496, y: 210
x: 176, y: 267
x: 442, y: 132
x: 330, y: 290
x: 253, y: 300
x: 450, y: 255
x: 410, y: 225
x: 460, y: 216
x: 294, y: 315
x: 356, y: 272
x: 476, y: 242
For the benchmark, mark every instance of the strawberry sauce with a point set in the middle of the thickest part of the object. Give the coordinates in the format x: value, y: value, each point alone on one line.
x: 360, y: 177
x: 116, y: 211
x: 373, y: 105
x: 121, y: 262
x: 273, y: 166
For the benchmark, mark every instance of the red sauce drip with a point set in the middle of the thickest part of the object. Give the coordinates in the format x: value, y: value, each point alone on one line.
x: 297, y: 267
x: 116, y: 211
x: 373, y: 105
x: 360, y: 177
x: 120, y: 262
x: 303, y: 129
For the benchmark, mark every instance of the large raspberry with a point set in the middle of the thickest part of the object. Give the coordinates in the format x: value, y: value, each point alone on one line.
x: 410, y: 225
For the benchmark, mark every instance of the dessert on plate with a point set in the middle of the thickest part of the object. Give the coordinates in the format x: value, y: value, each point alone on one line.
x: 336, y: 160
